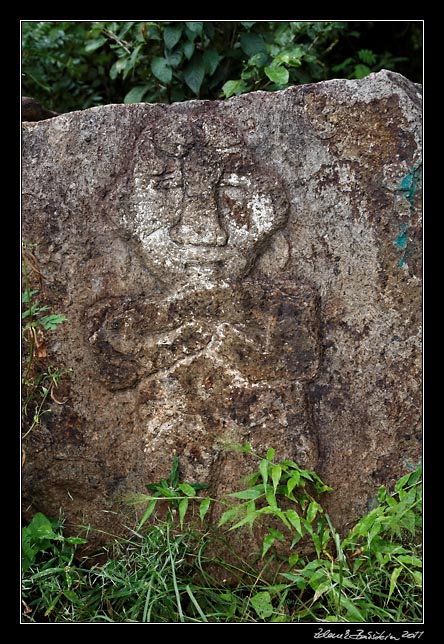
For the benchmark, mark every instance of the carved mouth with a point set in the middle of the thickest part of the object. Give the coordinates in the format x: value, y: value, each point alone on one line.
x: 198, y: 255
x: 203, y: 263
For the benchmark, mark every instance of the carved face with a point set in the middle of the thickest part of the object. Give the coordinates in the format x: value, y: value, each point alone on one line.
x: 200, y: 205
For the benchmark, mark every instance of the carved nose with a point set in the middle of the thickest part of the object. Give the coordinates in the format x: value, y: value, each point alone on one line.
x: 199, y: 226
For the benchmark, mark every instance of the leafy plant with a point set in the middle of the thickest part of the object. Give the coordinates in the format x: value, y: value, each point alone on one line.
x: 39, y: 380
x: 49, y: 576
x: 177, y: 496
x: 58, y: 70
x: 74, y: 65
x: 166, y: 573
x: 375, y: 572
x: 272, y: 482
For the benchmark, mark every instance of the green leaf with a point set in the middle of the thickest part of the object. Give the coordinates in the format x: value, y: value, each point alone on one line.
x: 270, y: 538
x: 353, y: 613
x: 247, y: 25
x: 232, y: 87
x: 277, y: 74
x: 382, y: 493
x: 417, y: 576
x: 367, y: 56
x: 199, y: 486
x: 41, y: 526
x: 187, y: 489
x: 34, y: 310
x: 173, y: 478
x: 268, y: 541
x: 271, y: 498
x: 361, y: 71
x: 230, y: 515
x: 188, y: 49
x: 204, y: 507
x: 183, y: 507
x: 293, y: 482
x: 295, y: 520
x: 27, y: 295
x: 256, y: 62
x: 124, y: 30
x: 261, y: 603
x: 276, y: 472
x: 295, y: 578
x: 411, y: 560
x: 393, y: 579
x: 171, y: 36
x: 50, y: 322
x: 211, y: 60
x: 403, y: 481
x: 92, y: 45
x: 409, y: 521
x: 293, y: 559
x: 415, y: 476
x: 282, y: 516
x: 148, y: 512
x: 252, y: 44
x: 320, y: 486
x: 194, y: 73
x: 71, y: 595
x: 174, y: 58
x: 270, y: 454
x: 249, y: 518
x: 292, y: 56
x: 75, y: 540
x: 136, y: 94
x: 195, y: 27
x: 251, y: 515
x: 250, y: 493
x: 263, y: 469
x: 161, y: 70
x: 312, y: 511
x: 290, y: 465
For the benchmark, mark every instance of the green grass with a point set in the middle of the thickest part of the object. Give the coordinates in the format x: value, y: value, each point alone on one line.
x: 174, y: 570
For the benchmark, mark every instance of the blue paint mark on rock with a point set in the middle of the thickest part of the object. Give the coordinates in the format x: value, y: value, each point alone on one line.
x: 407, y: 182
x: 408, y: 187
x: 401, y: 240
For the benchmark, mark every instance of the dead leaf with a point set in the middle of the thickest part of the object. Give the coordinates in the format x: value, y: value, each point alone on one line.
x: 40, y: 343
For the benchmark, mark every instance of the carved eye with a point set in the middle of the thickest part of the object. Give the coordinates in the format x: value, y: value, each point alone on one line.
x: 245, y: 206
x: 233, y: 207
x: 166, y: 182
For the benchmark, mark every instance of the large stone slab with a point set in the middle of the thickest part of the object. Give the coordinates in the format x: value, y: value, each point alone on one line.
x: 242, y: 270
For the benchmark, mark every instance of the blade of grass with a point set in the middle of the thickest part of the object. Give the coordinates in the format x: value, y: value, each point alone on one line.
x: 173, y: 574
x: 195, y: 602
x: 147, y: 606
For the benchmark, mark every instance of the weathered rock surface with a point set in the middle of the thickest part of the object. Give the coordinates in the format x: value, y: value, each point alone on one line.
x: 239, y: 270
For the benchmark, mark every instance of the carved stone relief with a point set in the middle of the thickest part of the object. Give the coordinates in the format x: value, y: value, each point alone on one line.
x: 242, y: 270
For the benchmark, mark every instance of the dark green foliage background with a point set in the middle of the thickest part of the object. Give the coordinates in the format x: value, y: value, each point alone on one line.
x: 76, y: 65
